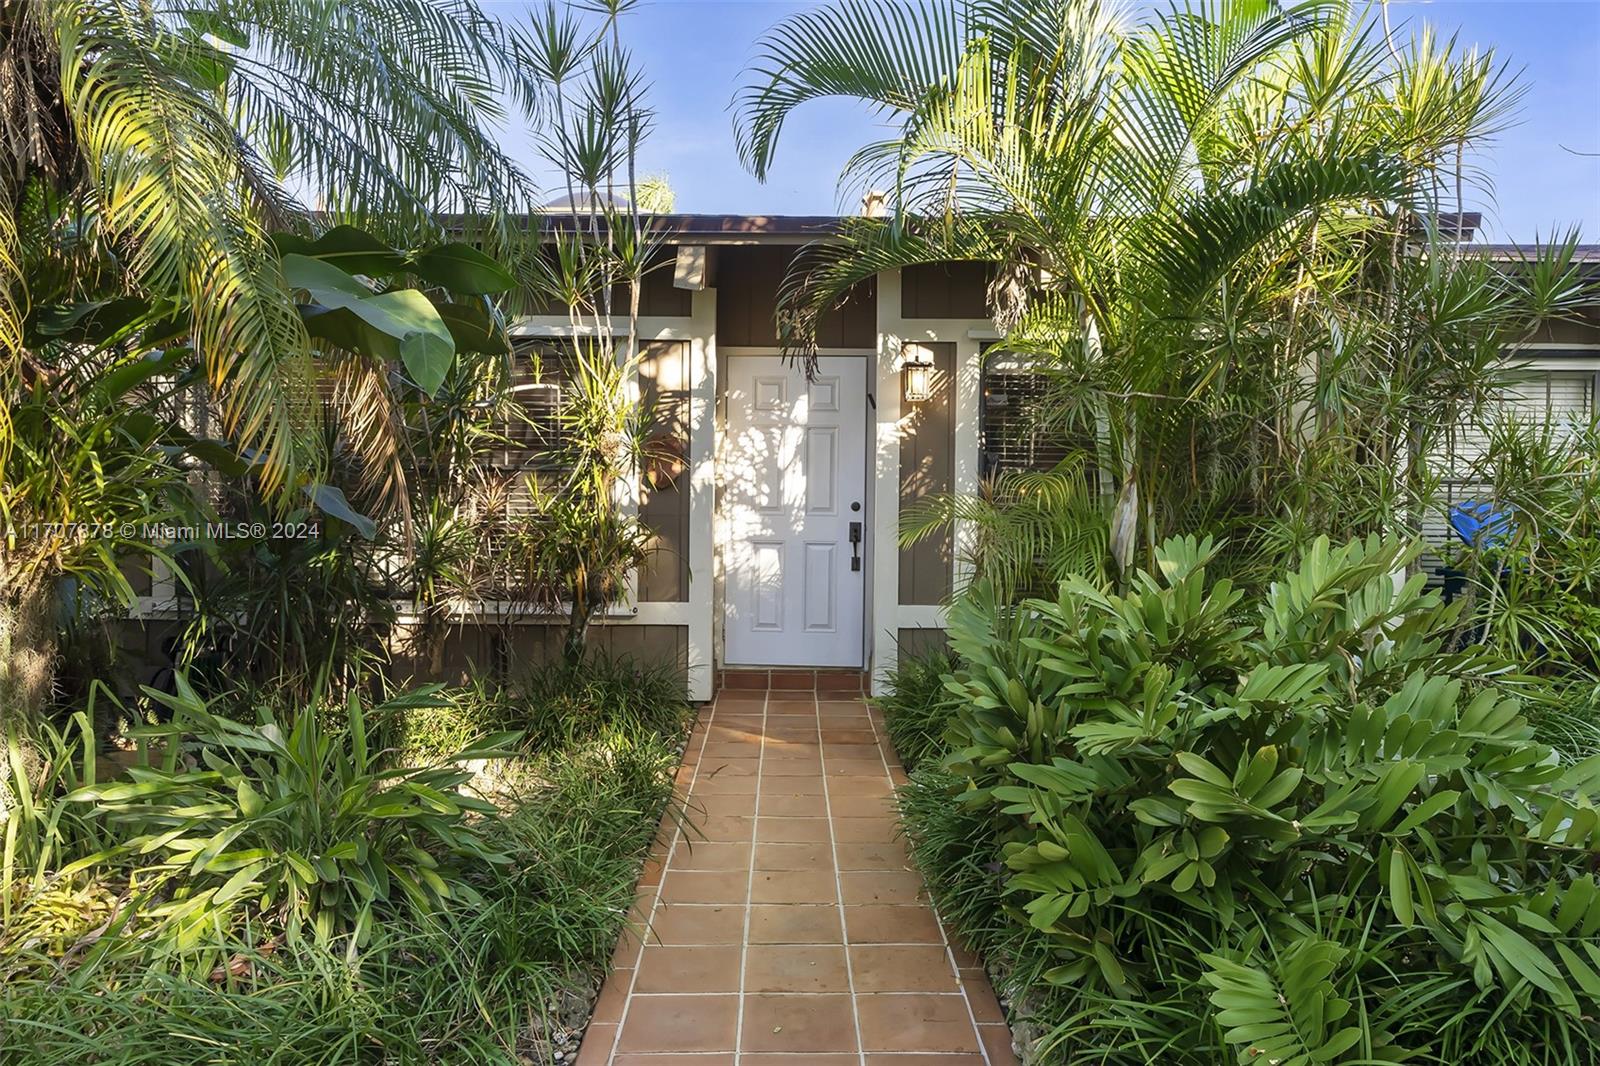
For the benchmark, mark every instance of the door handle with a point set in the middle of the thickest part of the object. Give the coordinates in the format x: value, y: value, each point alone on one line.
x: 855, y: 546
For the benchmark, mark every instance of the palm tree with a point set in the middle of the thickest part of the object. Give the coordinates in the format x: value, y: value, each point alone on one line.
x: 1213, y: 227
x: 152, y: 155
x: 181, y: 138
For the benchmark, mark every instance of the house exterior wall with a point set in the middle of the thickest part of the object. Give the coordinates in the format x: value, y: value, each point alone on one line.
x: 936, y: 312
x: 748, y: 279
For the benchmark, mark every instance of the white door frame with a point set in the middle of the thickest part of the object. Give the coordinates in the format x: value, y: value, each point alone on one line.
x: 722, y: 529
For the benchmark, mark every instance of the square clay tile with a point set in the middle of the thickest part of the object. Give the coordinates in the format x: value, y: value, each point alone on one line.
x: 706, y: 1058
x: 744, y: 680
x: 792, y: 730
x: 842, y: 1059
x: 891, y: 1059
x: 694, y: 969
x: 707, y: 785
x: 980, y: 995
x: 796, y: 968
x: 902, y: 968
x: 814, y: 856
x: 854, y: 752
x: 997, y: 1042
x: 680, y: 1023
x: 929, y: 1023
x: 872, y: 787
x: 872, y: 768
x: 808, y: 764
x: 844, y: 733
x: 697, y: 886
x: 798, y: 1024
x: 747, y: 766
x: 891, y: 925
x: 788, y: 805
x: 793, y: 831
x: 613, y: 996
x: 795, y: 886
x: 794, y: 924
x: 711, y: 855
x: 805, y: 710
x: 681, y: 924
x: 848, y: 806
x: 807, y: 751
x: 741, y: 804
x: 880, y: 830
x: 720, y: 828
x: 873, y: 856
x: 881, y: 886
x: 965, y: 958
x: 596, y: 1047
x: 730, y: 749
x: 626, y: 953
x: 745, y: 721
x: 804, y: 785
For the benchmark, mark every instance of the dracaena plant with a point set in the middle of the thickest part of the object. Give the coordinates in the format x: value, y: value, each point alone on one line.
x: 1294, y: 828
x: 296, y: 822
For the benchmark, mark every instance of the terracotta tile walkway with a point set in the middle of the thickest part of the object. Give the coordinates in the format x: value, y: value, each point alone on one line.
x: 787, y: 925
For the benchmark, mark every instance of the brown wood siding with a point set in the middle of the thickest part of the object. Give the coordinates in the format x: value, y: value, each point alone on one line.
x: 747, y: 281
x: 664, y: 496
x: 927, y: 466
x: 945, y: 290
x: 918, y: 643
x: 1584, y: 329
x: 505, y: 651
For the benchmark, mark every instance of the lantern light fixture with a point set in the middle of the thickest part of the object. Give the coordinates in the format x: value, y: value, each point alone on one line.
x: 917, y: 374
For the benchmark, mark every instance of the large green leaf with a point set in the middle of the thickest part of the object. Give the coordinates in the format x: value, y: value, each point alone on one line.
x: 474, y: 328
x: 349, y: 248
x: 462, y: 268
x: 402, y: 324
x: 332, y: 501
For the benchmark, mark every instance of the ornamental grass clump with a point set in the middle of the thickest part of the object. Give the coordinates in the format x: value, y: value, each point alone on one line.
x: 1295, y: 830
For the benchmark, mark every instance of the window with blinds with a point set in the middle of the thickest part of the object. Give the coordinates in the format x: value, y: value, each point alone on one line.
x: 1558, y: 399
x: 1010, y: 431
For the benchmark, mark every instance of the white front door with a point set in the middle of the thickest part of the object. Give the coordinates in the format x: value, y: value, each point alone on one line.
x: 793, y: 469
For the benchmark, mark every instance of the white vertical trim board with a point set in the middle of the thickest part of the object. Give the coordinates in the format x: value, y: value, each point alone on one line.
x: 884, y: 550
x: 702, y: 493
x: 968, y: 413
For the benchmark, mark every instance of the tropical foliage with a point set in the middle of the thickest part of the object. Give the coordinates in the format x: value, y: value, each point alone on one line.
x: 1296, y: 827
x: 90, y: 969
x: 1217, y: 228
x: 295, y: 821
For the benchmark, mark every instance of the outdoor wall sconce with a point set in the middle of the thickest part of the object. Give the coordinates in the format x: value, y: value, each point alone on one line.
x: 917, y: 373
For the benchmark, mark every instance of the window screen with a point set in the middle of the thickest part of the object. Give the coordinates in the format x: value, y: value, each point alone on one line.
x: 1558, y: 398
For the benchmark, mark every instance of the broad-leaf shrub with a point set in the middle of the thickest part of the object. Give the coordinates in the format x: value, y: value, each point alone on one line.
x: 1300, y: 828
x: 301, y: 823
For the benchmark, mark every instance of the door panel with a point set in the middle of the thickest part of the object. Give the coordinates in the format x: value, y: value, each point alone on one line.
x: 793, y: 471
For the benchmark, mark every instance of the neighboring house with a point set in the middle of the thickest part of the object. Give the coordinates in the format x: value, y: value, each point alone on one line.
x: 778, y: 526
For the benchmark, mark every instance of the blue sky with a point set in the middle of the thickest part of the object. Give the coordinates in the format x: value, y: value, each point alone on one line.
x: 693, y: 52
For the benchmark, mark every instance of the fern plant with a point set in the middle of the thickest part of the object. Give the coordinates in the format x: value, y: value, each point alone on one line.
x: 1299, y: 828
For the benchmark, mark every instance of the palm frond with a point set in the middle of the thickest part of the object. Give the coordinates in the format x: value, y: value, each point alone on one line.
x: 883, y: 53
